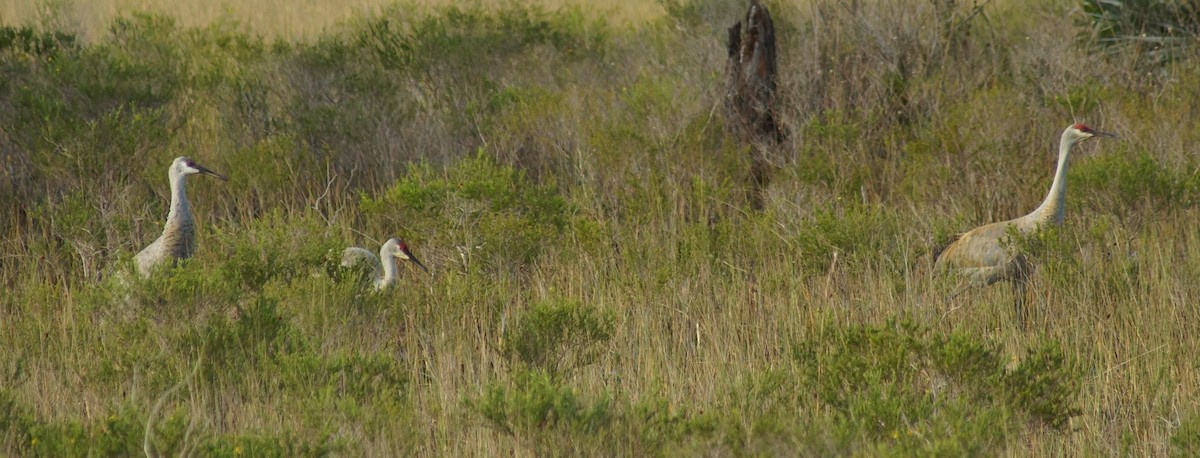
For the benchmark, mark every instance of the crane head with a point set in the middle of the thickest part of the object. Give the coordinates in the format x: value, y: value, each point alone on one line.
x: 1080, y: 132
x: 184, y: 165
x: 400, y: 250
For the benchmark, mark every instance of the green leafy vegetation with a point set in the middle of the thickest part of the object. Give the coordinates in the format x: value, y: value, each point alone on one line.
x: 536, y: 402
x: 494, y: 211
x: 599, y: 282
x: 891, y: 385
x: 556, y: 338
x: 1158, y: 29
x: 1186, y: 440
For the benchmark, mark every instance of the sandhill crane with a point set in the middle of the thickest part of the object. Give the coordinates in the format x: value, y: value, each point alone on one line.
x: 385, y: 272
x: 178, y: 239
x: 985, y: 255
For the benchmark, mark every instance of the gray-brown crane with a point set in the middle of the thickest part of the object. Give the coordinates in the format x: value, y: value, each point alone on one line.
x: 385, y: 265
x: 986, y: 255
x: 178, y: 240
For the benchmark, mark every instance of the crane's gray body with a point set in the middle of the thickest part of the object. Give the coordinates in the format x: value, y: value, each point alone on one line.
x: 355, y: 256
x: 987, y: 254
x: 384, y: 267
x: 178, y: 239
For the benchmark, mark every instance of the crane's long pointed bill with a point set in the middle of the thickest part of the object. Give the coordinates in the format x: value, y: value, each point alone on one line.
x: 418, y: 263
x: 414, y: 260
x: 1104, y: 134
x: 206, y: 171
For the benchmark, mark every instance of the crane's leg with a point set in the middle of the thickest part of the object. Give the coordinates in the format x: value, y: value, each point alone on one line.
x: 951, y: 300
x: 1024, y: 269
x: 1019, y: 301
x: 963, y: 286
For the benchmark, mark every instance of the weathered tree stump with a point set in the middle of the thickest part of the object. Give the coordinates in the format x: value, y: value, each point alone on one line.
x: 750, y: 91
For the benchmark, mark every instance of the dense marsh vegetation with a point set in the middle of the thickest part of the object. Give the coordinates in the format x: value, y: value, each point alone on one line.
x: 600, y: 285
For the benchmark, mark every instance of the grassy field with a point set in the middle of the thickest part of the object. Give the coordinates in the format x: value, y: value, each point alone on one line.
x: 600, y: 284
x: 274, y: 19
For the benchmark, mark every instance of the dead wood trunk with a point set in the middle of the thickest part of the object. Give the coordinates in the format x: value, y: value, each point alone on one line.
x: 750, y: 91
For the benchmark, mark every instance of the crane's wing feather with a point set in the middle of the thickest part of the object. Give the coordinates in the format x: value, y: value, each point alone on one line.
x: 939, y: 249
x: 982, y: 255
x: 981, y: 247
x: 354, y: 257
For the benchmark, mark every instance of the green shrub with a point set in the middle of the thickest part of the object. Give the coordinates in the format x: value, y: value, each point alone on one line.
x: 1058, y: 254
x: 1053, y: 246
x: 536, y: 402
x: 1185, y: 440
x: 1158, y: 28
x: 257, y: 337
x: 373, y: 127
x: 141, y: 64
x: 1045, y: 384
x: 853, y: 232
x: 658, y: 426
x: 118, y: 434
x: 282, y: 445
x: 896, y: 385
x: 275, y: 248
x: 15, y: 421
x: 87, y: 115
x: 35, y: 42
x: 185, y: 289
x: 458, y: 36
x: 489, y: 211
x: 370, y: 380
x: 1125, y: 181
x: 557, y: 337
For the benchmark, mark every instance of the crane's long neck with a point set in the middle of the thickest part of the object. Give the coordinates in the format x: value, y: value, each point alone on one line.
x: 1051, y: 209
x: 180, y: 214
x: 389, y: 268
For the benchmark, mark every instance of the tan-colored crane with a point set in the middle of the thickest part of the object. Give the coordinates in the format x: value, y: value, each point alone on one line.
x: 178, y: 239
x: 986, y: 255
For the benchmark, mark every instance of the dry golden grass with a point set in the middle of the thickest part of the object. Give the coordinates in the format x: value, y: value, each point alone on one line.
x: 284, y: 19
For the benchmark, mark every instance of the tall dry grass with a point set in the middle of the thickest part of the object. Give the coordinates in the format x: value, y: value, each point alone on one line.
x: 569, y: 182
x: 271, y: 18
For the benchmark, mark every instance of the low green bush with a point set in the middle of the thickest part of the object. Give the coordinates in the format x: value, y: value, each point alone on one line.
x: 659, y: 427
x: 1126, y: 181
x: 1157, y: 28
x: 458, y: 36
x: 558, y: 337
x: 1045, y: 385
x: 281, y: 446
x: 904, y: 388
x: 536, y: 402
x: 32, y: 41
x: 492, y: 213
x: 1185, y: 440
x: 855, y: 234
